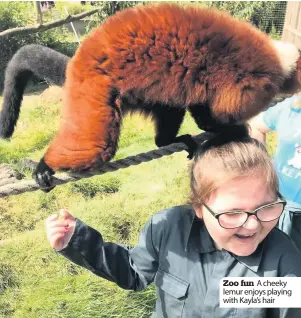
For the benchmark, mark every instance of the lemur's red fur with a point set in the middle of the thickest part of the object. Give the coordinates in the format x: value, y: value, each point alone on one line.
x: 179, y: 57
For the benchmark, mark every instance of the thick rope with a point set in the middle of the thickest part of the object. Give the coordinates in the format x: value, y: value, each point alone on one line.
x: 30, y: 185
x: 15, y: 188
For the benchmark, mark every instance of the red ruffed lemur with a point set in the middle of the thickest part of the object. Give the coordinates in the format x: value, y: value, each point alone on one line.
x: 163, y: 60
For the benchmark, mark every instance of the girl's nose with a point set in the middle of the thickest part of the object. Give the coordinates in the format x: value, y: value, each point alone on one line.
x: 252, y: 223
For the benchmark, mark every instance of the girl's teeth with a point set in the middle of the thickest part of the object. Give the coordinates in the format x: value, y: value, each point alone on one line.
x: 239, y: 235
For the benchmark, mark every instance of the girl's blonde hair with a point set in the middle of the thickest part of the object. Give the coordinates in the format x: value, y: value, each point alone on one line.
x: 225, y: 158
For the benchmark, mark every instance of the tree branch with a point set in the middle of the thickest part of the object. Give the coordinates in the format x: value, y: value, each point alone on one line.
x: 47, y: 26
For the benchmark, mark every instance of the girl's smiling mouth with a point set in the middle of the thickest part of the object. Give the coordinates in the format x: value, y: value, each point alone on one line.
x: 245, y: 236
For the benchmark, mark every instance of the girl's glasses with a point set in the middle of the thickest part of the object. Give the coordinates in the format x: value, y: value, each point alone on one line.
x: 265, y: 213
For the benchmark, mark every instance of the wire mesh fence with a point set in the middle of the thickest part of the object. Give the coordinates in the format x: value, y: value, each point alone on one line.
x: 292, y: 27
x: 268, y: 16
x: 273, y: 19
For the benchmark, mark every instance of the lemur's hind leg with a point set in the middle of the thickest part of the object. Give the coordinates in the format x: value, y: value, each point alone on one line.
x: 167, y: 123
x: 206, y: 121
x: 89, y: 130
x: 203, y: 117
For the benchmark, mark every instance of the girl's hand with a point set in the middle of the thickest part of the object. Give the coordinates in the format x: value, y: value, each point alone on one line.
x: 59, y: 229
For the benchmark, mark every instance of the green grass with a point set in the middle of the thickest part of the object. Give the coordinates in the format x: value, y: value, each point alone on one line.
x: 34, y: 280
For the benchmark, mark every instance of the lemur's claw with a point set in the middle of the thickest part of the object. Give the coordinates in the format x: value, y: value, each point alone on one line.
x: 189, y: 142
x: 43, y: 176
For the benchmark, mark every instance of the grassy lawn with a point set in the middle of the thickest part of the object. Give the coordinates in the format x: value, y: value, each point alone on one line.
x: 34, y: 280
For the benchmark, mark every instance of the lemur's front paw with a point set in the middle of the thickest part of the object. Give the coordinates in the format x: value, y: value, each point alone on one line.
x: 190, y: 143
x: 43, y: 176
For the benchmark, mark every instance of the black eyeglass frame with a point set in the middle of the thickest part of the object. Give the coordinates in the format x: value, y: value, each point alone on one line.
x: 249, y: 213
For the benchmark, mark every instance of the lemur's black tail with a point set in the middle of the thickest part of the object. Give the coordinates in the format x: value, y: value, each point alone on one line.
x: 32, y: 59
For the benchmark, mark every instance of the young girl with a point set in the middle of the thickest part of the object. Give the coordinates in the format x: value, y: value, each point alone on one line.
x: 227, y: 231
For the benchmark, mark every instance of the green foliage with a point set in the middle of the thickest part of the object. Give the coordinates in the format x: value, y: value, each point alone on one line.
x: 108, y: 8
x: 266, y: 15
x: 14, y: 14
x: 73, y: 7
